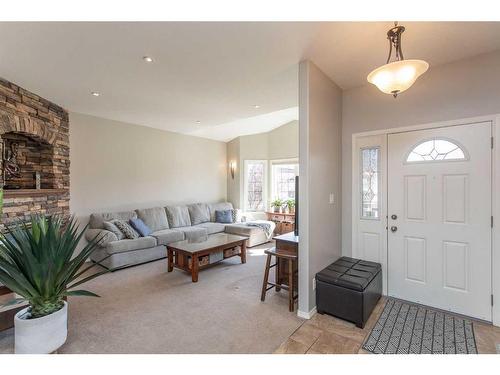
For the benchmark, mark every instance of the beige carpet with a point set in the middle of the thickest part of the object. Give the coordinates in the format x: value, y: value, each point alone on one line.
x: 144, y: 309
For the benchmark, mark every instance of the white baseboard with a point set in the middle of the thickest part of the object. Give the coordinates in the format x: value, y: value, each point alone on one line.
x: 306, y: 315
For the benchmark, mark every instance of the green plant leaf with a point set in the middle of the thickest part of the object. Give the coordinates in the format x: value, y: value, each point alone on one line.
x: 81, y: 293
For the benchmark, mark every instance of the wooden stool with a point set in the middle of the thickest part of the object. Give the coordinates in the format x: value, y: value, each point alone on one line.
x: 290, y: 258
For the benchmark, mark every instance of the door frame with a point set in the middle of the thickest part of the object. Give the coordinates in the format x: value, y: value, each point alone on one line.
x: 495, y: 198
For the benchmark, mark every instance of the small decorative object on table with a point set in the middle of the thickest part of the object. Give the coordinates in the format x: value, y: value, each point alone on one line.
x: 277, y: 205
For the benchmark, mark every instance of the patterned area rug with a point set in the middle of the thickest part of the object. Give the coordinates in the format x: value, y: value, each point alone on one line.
x: 404, y: 328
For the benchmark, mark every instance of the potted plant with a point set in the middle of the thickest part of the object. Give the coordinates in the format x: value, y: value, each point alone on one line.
x: 38, y: 262
x: 290, y: 203
x: 277, y: 205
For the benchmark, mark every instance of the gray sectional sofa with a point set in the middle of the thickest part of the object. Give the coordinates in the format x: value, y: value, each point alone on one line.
x: 168, y: 224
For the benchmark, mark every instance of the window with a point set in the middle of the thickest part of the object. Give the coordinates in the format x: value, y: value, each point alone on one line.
x: 370, y: 160
x: 435, y: 150
x: 283, y: 180
x: 255, y: 185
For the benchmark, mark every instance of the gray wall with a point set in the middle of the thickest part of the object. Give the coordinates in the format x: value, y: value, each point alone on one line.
x: 119, y: 166
x: 466, y: 88
x: 320, y: 113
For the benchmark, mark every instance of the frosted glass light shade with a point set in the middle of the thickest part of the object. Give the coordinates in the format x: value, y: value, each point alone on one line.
x: 397, y: 76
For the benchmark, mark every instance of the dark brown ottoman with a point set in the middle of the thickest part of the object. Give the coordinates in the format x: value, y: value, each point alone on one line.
x: 349, y: 289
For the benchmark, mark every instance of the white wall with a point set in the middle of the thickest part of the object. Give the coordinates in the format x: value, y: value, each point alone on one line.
x: 280, y: 143
x: 119, y: 166
x: 462, y: 89
x: 320, y: 117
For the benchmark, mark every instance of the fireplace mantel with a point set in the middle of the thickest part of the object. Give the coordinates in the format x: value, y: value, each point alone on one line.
x: 18, y: 193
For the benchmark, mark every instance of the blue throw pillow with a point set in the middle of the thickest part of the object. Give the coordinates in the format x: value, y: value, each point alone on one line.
x: 224, y: 216
x: 140, y: 227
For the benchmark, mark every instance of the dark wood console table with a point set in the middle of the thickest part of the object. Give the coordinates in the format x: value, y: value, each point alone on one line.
x: 286, y: 243
x: 285, y: 222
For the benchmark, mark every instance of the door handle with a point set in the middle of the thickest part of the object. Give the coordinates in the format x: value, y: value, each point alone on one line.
x: 394, y: 229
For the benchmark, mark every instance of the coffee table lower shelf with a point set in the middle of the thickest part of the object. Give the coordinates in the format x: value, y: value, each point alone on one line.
x: 181, y: 258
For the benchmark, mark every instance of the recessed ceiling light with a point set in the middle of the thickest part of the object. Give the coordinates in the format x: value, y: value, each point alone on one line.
x: 95, y: 93
x: 198, y: 122
x: 147, y: 59
x: 256, y: 106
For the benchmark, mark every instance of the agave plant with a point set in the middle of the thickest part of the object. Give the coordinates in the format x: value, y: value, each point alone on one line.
x: 38, y: 262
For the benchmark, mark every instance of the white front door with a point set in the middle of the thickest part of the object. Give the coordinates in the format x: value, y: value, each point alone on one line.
x: 439, y: 218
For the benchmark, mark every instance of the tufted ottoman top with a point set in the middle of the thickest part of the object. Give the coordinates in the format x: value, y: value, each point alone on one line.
x: 349, y: 273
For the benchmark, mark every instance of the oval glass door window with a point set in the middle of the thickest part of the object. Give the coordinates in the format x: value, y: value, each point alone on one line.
x: 436, y: 150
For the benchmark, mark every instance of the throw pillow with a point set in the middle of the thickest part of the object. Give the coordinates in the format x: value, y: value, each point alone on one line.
x: 237, y: 215
x: 140, y: 227
x: 155, y: 218
x: 178, y: 216
x: 198, y: 213
x: 126, y: 229
x: 224, y: 216
x: 110, y: 225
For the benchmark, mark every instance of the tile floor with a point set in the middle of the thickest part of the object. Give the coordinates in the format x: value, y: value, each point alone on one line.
x: 324, y: 334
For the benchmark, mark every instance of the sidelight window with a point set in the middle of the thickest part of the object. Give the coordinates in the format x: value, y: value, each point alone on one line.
x: 370, y: 181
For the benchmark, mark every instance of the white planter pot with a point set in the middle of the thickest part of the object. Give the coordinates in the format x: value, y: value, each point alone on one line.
x: 41, y: 335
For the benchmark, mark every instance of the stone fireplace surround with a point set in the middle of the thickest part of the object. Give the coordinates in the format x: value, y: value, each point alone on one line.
x: 41, y: 130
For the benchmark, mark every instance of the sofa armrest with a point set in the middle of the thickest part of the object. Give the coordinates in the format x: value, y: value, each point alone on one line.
x: 106, y: 236
x: 254, y: 215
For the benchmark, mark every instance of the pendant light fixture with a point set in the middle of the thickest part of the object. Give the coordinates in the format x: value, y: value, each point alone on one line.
x: 397, y: 76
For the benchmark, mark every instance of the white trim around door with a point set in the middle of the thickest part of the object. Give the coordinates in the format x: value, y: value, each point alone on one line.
x: 373, y: 244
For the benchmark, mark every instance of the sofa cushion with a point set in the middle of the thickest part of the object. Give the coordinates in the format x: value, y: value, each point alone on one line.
x: 218, y: 207
x: 129, y: 245
x: 243, y: 229
x: 198, y: 213
x: 224, y: 216
x: 127, y: 230
x: 97, y: 220
x: 140, y: 227
x: 104, y: 236
x: 178, y: 216
x: 191, y: 233
x: 212, y: 228
x: 110, y: 226
x: 155, y: 218
x: 167, y: 236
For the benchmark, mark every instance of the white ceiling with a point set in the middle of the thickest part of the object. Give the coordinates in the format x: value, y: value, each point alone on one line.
x: 211, y: 72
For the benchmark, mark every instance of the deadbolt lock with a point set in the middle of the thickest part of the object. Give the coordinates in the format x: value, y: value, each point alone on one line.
x: 394, y: 217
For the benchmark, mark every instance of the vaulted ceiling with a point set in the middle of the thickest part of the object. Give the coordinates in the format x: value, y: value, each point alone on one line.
x: 214, y: 73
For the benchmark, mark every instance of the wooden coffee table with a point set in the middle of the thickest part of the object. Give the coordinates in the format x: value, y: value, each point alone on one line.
x: 181, y: 253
